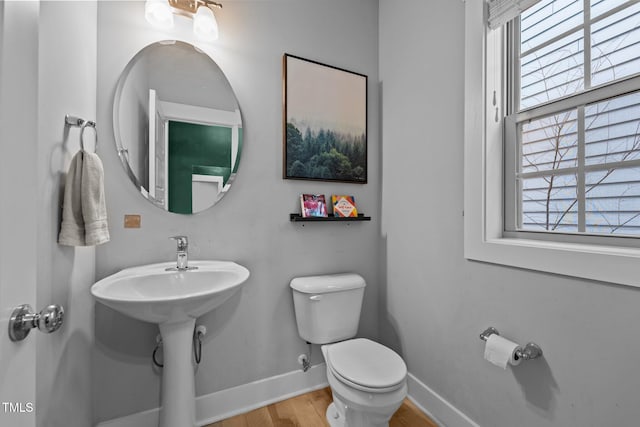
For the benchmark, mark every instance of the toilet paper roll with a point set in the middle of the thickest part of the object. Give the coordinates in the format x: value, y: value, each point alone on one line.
x: 500, y: 351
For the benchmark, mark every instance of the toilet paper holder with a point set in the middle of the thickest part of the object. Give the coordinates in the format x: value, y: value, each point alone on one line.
x: 530, y: 351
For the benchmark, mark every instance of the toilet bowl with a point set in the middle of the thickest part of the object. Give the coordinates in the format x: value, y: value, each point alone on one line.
x: 367, y: 380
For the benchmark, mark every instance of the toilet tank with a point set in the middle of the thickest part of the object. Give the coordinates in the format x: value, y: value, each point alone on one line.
x: 328, y: 307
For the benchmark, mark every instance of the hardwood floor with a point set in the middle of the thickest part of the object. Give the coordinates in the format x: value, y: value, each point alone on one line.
x: 308, y: 410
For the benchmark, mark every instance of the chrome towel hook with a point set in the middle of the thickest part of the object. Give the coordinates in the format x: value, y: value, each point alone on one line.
x: 75, y: 121
x: 82, y: 129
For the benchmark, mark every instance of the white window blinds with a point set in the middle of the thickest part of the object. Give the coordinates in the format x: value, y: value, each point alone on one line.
x: 503, y: 11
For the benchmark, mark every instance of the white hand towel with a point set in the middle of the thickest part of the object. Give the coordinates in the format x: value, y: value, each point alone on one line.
x: 72, y: 228
x: 94, y: 208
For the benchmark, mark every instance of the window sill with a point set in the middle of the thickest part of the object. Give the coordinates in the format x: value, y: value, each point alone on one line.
x: 594, y: 262
x: 564, y: 246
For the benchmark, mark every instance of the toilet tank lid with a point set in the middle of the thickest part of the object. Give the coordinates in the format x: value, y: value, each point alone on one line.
x: 327, y: 283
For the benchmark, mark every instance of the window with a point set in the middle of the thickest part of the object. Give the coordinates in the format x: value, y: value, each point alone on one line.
x: 572, y: 142
x: 597, y: 107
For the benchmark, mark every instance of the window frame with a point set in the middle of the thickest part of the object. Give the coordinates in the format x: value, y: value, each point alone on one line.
x: 484, y: 199
x: 512, y: 145
x: 577, y: 102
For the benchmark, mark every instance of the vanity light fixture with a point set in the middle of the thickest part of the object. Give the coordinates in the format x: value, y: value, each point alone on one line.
x: 160, y: 14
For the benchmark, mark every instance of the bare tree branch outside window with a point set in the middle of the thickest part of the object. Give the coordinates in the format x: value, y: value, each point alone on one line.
x: 580, y: 169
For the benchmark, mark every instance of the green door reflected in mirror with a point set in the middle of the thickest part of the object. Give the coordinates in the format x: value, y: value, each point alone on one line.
x: 202, y: 159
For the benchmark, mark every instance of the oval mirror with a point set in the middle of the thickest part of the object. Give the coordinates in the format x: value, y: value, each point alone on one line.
x: 177, y: 126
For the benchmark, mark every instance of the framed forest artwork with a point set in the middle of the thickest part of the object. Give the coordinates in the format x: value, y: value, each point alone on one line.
x: 324, y: 122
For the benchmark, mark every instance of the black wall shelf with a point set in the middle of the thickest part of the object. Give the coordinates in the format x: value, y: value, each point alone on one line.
x: 295, y: 217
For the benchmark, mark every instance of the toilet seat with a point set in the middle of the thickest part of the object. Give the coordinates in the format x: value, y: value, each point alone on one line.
x: 366, y: 365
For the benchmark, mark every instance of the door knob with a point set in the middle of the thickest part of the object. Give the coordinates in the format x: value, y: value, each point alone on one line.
x: 23, y: 319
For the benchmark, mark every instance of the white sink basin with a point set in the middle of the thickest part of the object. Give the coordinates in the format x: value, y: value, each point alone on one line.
x: 152, y: 294
x: 173, y: 299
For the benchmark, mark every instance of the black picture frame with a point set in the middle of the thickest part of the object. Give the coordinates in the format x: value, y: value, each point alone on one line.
x: 325, y: 122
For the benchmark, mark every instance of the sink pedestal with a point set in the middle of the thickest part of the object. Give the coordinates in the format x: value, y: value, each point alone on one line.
x: 178, y: 382
x: 157, y: 293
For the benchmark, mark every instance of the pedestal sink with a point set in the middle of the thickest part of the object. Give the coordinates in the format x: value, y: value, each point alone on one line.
x: 173, y: 300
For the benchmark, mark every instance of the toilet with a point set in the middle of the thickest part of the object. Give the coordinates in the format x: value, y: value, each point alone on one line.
x: 368, y: 380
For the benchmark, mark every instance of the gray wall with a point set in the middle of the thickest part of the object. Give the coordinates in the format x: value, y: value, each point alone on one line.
x: 66, y: 85
x: 440, y: 302
x: 36, y: 156
x: 254, y: 335
x: 18, y: 245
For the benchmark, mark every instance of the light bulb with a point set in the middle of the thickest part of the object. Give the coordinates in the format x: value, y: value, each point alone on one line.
x: 158, y: 13
x: 205, y: 24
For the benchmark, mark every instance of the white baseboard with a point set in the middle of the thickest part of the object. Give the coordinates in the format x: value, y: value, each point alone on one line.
x: 247, y: 397
x: 440, y: 410
x: 141, y: 419
x: 237, y: 400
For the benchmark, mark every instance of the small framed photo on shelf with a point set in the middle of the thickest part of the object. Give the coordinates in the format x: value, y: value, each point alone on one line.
x: 313, y: 205
x: 344, y: 206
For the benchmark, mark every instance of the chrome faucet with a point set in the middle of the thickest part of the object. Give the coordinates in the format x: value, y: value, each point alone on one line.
x: 182, y: 254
